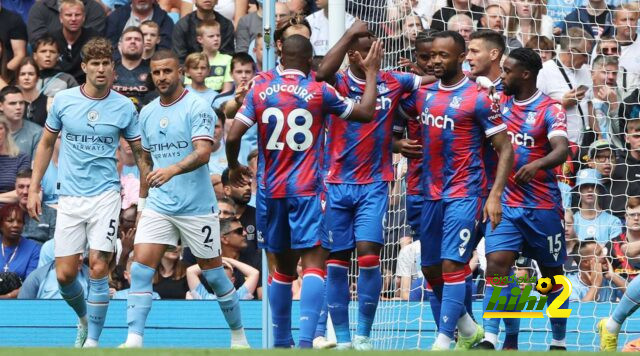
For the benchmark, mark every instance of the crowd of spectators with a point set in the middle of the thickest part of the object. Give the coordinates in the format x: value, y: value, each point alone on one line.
x: 590, y: 51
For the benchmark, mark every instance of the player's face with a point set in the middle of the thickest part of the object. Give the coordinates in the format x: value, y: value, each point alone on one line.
x: 362, y: 45
x: 27, y: 77
x: 22, y: 189
x: 446, y: 58
x: 423, y: 57
x: 512, y: 76
x: 72, y: 17
x: 13, y: 106
x: 12, y: 225
x: 150, y: 37
x: 99, y: 72
x: 198, y: 72
x: 242, y: 73
x: 633, y: 218
x: 480, y: 56
x: 46, y: 56
x: 166, y: 76
x: 633, y: 135
x: 226, y: 211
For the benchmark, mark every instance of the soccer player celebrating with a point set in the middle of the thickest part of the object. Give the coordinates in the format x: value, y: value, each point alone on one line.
x: 359, y: 168
x: 91, y: 118
x: 456, y: 116
x: 532, y: 217
x: 609, y: 328
x: 484, y: 55
x: 177, y: 137
x: 290, y: 111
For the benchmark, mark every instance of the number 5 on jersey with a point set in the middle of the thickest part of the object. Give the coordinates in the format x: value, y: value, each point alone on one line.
x: 293, y: 129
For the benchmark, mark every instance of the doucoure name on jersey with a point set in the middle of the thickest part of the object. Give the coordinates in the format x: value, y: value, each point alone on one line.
x: 286, y: 88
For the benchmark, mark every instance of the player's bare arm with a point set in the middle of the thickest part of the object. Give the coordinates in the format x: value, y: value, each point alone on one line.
x: 366, y: 108
x: 333, y: 59
x: 557, y: 156
x: 40, y: 164
x: 238, y: 174
x: 199, y: 156
x: 144, y: 163
x: 230, y: 108
x: 493, y: 208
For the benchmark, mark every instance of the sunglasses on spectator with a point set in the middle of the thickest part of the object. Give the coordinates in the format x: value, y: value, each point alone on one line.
x: 237, y: 231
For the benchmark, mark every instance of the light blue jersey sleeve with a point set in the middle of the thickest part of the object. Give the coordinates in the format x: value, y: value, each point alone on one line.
x: 131, y: 131
x: 53, y: 122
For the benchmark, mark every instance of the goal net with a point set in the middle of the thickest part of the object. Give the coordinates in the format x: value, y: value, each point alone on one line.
x: 611, y: 106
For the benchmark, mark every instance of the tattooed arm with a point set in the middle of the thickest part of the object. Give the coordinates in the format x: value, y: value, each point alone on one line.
x: 145, y: 165
x: 199, y: 156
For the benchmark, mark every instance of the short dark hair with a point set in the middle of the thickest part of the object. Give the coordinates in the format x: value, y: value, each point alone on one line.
x: 495, y: 39
x: 455, y: 36
x: 25, y: 173
x: 242, y: 58
x: 225, y: 225
x: 425, y: 36
x: 283, y: 25
x: 297, y: 45
x: 527, y: 58
x: 162, y: 54
x: 9, y: 89
x: 224, y: 177
x: 45, y: 40
x: 28, y: 61
x: 131, y: 29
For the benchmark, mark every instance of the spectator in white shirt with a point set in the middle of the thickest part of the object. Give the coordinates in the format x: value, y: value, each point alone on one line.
x: 319, y: 22
x: 572, y: 59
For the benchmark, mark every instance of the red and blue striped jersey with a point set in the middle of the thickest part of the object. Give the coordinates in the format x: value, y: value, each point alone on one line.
x: 490, y: 156
x: 291, y: 112
x: 455, y: 120
x: 414, y: 132
x: 530, y: 124
x: 361, y: 153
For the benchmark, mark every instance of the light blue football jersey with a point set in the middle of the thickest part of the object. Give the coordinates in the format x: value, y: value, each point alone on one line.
x: 90, y: 129
x: 167, y: 133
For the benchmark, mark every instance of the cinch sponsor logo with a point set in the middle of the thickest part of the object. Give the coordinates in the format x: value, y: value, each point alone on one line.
x: 521, y: 139
x: 521, y: 299
x: 168, y: 146
x: 441, y: 122
x: 382, y: 102
x: 89, y: 138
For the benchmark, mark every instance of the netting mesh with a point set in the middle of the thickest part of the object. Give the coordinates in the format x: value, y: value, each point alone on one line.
x: 611, y: 103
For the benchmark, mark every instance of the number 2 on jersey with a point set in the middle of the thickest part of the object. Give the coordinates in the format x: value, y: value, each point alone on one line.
x: 294, y: 128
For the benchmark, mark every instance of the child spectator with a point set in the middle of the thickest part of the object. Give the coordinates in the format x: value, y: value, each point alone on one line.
x: 625, y: 249
x: 196, y: 70
x: 226, y: 208
x: 605, y: 96
x: 590, y: 221
x: 208, y: 36
x: 51, y: 80
x: 245, y: 292
x: 150, y: 37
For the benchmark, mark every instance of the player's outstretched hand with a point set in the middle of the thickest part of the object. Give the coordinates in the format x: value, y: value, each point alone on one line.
x: 526, y: 173
x: 372, y: 63
x: 34, y: 206
x: 240, y: 176
x: 404, y: 62
x: 410, y: 148
x: 492, y: 211
x: 160, y: 176
x: 359, y: 29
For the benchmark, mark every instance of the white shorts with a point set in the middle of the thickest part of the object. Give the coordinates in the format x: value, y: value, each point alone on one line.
x: 200, y: 233
x: 87, y: 220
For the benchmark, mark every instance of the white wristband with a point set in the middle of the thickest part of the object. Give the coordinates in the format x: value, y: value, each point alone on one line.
x: 141, y: 203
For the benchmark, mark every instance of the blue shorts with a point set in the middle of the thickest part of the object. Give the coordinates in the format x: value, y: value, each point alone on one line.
x: 449, y: 230
x: 290, y: 223
x: 414, y: 213
x: 537, y: 233
x: 356, y: 212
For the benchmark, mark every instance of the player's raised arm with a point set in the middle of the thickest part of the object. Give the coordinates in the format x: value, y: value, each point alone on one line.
x: 40, y: 164
x: 333, y: 59
x: 365, y: 110
x: 493, y: 208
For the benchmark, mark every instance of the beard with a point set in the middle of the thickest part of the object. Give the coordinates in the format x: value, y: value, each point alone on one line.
x: 132, y: 56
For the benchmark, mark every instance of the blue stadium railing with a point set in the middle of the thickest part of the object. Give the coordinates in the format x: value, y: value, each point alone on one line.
x: 200, y: 324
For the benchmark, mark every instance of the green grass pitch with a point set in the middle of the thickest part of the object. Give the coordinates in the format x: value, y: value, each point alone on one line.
x: 259, y: 352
